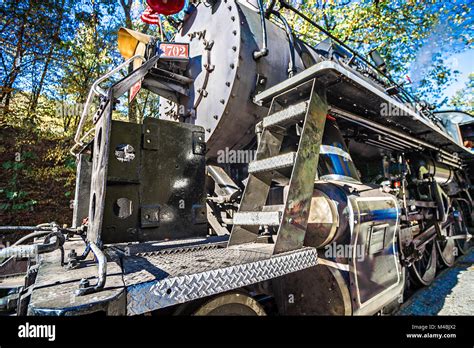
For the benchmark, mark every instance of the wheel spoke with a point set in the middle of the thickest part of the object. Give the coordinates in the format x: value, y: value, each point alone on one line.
x: 423, y: 271
x: 446, y: 248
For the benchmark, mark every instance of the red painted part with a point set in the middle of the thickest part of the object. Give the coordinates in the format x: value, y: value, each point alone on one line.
x: 166, y: 7
x: 331, y: 118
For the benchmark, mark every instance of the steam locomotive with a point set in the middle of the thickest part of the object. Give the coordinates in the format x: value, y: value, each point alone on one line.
x: 353, y: 192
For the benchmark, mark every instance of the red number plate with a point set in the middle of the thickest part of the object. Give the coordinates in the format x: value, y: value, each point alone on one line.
x: 174, y: 50
x: 134, y: 90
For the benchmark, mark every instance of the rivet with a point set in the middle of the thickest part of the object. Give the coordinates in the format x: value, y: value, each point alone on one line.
x: 232, y: 66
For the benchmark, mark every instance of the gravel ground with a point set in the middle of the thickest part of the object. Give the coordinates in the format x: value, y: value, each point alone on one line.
x: 452, y: 293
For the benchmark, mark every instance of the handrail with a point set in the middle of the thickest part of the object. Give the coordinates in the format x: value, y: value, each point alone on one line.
x: 96, y: 90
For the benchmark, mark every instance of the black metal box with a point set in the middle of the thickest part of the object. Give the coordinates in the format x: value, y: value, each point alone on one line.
x: 155, y: 182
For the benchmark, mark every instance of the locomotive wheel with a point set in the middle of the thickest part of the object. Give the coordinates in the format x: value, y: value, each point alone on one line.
x: 423, y: 270
x: 235, y: 304
x: 462, y: 244
x: 447, y: 248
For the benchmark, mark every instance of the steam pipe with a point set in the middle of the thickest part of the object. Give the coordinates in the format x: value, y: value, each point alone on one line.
x: 264, y: 50
x: 292, y: 66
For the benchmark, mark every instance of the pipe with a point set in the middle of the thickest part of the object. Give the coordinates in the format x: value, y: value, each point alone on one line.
x: 224, y: 182
x: 270, y: 10
x: 289, y: 33
x: 4, y: 229
x: 264, y: 50
x: 52, y: 242
x: 401, y: 137
x: 442, y: 202
x: 84, y: 287
x: 19, y: 251
x: 377, y: 144
x: 31, y: 235
x: 394, y: 144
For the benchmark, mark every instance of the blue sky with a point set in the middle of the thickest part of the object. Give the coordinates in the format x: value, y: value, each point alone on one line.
x: 464, y: 62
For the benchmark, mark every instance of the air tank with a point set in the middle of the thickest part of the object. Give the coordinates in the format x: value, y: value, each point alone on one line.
x: 427, y: 167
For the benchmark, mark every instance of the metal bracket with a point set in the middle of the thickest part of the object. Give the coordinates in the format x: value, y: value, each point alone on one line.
x: 199, y: 144
x: 150, y: 216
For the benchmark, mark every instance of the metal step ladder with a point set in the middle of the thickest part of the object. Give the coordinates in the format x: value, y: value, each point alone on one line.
x: 304, y: 106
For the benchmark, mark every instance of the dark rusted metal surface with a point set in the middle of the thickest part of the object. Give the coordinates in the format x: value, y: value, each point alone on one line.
x: 54, y: 290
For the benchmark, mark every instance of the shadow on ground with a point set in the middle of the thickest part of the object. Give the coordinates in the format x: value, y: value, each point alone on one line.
x: 452, y: 293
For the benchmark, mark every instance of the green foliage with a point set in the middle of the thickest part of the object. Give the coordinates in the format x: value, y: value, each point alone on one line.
x: 12, y: 197
x: 414, y: 37
x: 464, y: 98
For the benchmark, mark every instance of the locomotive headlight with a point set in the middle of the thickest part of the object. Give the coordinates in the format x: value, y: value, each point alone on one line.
x: 132, y: 42
x: 166, y: 7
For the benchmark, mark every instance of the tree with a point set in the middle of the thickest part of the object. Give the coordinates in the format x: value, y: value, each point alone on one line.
x: 414, y: 37
x: 464, y: 98
x: 29, y: 34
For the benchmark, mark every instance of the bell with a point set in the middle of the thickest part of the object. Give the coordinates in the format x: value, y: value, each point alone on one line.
x: 166, y: 7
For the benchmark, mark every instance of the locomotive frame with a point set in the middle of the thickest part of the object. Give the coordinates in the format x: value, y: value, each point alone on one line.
x: 182, y: 234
